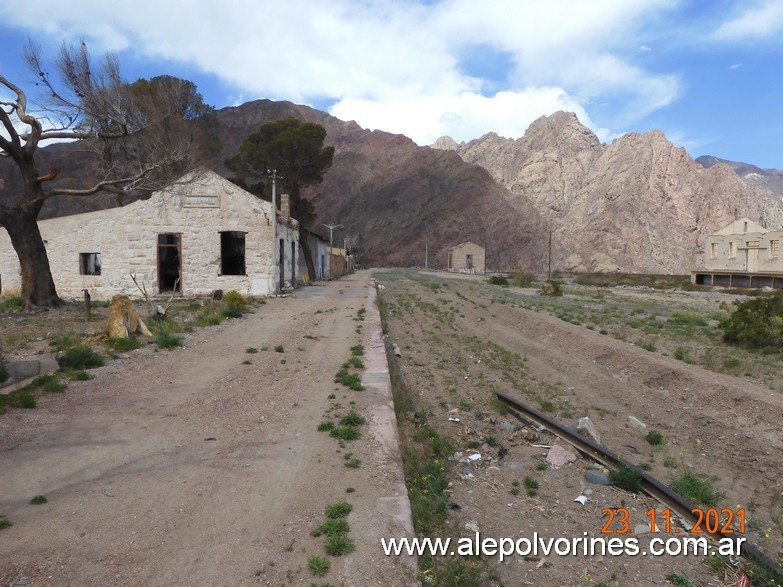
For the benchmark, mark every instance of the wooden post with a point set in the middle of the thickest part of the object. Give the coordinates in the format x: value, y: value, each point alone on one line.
x: 87, y: 303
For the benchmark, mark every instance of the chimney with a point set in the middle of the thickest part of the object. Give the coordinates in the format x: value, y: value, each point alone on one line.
x: 285, y: 206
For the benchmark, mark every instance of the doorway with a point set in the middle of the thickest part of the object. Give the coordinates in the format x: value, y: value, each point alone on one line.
x: 170, y: 262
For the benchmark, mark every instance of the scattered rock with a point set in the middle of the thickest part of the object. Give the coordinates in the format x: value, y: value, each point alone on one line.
x: 597, y: 478
x: 635, y: 423
x: 472, y: 526
x: 586, y: 428
x: 507, y: 426
x: 559, y: 456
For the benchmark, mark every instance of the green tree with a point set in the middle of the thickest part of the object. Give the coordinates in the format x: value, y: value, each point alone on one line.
x: 143, y: 136
x: 295, y: 150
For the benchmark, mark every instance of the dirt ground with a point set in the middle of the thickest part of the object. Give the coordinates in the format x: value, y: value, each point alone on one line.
x: 458, y: 348
x: 189, y: 467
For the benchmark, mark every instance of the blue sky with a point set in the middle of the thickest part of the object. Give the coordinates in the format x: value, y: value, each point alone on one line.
x: 705, y: 72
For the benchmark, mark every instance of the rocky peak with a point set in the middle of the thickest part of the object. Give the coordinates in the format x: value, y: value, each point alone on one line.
x: 445, y: 143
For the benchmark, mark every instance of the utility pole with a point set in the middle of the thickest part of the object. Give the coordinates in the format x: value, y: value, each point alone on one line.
x: 331, y: 228
x: 275, y: 262
x: 549, y: 272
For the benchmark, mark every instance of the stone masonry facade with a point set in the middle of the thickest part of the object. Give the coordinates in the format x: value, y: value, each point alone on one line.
x: 204, y: 229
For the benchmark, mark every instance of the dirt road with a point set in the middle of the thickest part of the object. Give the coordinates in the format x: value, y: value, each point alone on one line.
x: 190, y: 467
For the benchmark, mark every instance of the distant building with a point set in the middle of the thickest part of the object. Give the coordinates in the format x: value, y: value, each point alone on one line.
x: 742, y: 254
x: 467, y: 257
x: 201, y: 234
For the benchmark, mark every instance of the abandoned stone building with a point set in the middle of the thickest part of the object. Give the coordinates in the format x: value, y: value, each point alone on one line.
x: 467, y: 257
x: 742, y: 254
x: 201, y: 234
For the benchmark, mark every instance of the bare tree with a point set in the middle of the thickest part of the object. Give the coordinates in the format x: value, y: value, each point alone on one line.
x: 142, y: 134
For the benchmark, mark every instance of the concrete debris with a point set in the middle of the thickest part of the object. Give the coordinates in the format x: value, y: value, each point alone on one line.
x: 581, y: 499
x: 587, y: 429
x: 472, y: 526
x: 559, y: 456
x: 635, y: 423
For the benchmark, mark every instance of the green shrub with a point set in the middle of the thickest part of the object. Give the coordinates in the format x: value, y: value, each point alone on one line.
x: 38, y: 500
x: 498, y: 280
x: 680, y: 353
x: 626, y: 478
x: 655, y: 438
x: 235, y: 303
x: 48, y: 383
x: 696, y: 488
x: 357, y: 350
x: 81, y: 357
x: 756, y: 323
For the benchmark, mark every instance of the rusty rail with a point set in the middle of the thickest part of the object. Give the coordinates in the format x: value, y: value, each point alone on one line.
x: 650, y: 485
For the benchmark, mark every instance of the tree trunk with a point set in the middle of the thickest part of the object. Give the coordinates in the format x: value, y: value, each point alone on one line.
x: 308, y: 256
x: 37, y: 283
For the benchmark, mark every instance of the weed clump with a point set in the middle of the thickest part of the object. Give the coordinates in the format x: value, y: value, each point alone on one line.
x: 123, y: 344
x: 318, y: 565
x: 655, y: 438
x: 626, y: 478
x: 338, y: 510
x: 81, y: 357
x: 696, y: 488
x: 498, y: 280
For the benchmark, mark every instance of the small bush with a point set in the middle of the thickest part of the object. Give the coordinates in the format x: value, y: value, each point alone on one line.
x: 81, y: 357
x: 27, y: 401
x: 123, y: 344
x: 531, y: 486
x: 655, y: 438
x: 552, y: 289
x: 491, y: 440
x: 498, y: 280
x: 356, y: 362
x: 318, y: 565
x: 756, y: 323
x: 357, y: 350
x: 325, y: 426
x: 626, y: 478
x: 38, y: 500
x: 680, y: 353
x: 251, y: 350
x: 235, y: 303
x: 280, y: 348
x: 5, y: 523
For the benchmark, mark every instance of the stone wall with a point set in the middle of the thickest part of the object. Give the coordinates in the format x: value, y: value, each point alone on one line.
x: 196, y: 209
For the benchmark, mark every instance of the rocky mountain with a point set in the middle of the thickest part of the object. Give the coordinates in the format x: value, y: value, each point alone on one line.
x: 392, y: 197
x: 770, y: 179
x: 640, y: 204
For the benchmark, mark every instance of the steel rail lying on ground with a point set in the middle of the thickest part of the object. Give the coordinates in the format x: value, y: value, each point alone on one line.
x: 650, y: 485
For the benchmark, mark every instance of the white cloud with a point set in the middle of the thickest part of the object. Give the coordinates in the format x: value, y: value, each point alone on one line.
x: 387, y: 65
x: 763, y: 20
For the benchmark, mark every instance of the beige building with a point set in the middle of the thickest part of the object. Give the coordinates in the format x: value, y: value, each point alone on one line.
x: 742, y: 254
x: 201, y: 234
x: 467, y: 257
